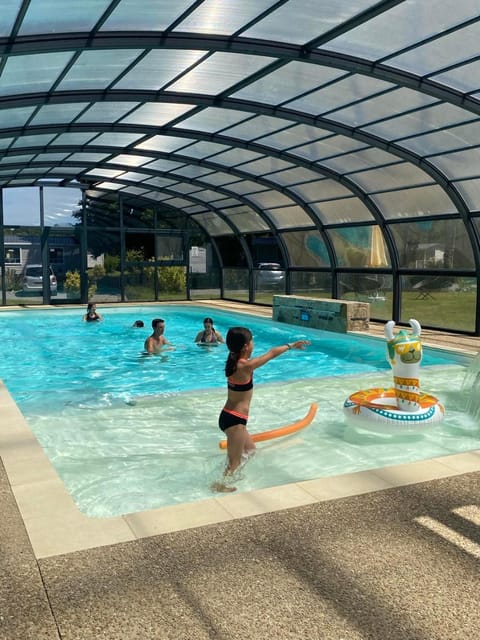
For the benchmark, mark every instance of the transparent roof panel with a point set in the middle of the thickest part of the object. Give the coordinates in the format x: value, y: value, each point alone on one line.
x: 235, y: 157
x: 343, y: 211
x: 270, y: 198
x: 10, y: 118
x: 213, y: 119
x: 8, y: 16
x: 97, y: 69
x: 219, y: 72
x: 107, y: 111
x: 257, y: 127
x: 383, y: 106
x: 441, y: 52
x: 289, y: 81
x: 392, y: 177
x: 69, y: 16
x: 289, y: 217
x: 392, y: 30
x: 341, y: 93
x: 73, y: 139
x: 32, y: 73
x: 144, y: 15
x: 328, y: 147
x: 246, y: 219
x: 223, y: 16
x: 462, y: 164
x: 115, y: 139
x: 294, y: 136
x: 164, y: 143
x: 205, y: 150
x: 421, y: 121
x: 58, y: 113
x: 33, y: 141
x: 130, y: 160
x: 445, y: 140
x: 265, y: 166
x: 156, y: 114
x: 213, y: 224
x: 414, y: 203
x: 158, y: 68
x: 321, y: 190
x: 364, y: 159
x: 470, y: 192
x: 299, y: 21
x: 465, y: 78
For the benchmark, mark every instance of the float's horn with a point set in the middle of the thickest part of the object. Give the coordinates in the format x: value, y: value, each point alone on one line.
x: 416, y: 328
x: 389, y: 330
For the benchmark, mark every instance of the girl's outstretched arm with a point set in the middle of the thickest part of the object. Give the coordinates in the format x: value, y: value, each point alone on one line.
x: 274, y: 352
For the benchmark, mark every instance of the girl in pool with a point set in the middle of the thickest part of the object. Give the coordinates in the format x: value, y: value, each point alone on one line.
x: 233, y: 418
x: 92, y: 315
x: 209, y: 335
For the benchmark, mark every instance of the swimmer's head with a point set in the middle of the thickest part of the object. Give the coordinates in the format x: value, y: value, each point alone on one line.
x: 138, y: 323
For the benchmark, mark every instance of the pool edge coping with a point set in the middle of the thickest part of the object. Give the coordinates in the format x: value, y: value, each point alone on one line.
x: 55, y: 525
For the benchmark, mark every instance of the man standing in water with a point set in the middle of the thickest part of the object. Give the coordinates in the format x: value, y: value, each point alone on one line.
x: 156, y: 342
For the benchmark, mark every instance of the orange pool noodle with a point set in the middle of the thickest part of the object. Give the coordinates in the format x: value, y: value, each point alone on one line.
x: 281, y: 431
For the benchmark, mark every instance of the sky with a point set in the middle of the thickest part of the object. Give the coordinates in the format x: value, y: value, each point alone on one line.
x: 21, y: 206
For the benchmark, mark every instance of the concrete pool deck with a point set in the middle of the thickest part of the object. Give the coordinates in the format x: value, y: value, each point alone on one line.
x: 388, y: 553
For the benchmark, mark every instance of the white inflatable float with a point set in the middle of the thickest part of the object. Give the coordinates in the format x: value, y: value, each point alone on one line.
x: 402, y: 408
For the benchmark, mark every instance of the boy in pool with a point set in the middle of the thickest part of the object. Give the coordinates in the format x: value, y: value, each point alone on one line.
x: 156, y: 342
x: 233, y: 418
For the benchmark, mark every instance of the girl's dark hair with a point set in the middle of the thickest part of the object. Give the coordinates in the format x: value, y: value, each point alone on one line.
x: 237, y: 338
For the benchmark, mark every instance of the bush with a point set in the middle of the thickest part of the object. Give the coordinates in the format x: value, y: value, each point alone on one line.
x: 111, y: 263
x: 72, y: 283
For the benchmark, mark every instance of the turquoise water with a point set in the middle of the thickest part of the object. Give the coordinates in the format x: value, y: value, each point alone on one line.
x: 128, y: 432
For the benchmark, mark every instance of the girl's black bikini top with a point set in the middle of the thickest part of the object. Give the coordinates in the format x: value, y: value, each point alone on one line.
x: 239, y: 386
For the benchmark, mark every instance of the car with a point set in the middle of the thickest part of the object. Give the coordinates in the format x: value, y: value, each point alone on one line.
x: 270, y: 273
x: 33, y: 279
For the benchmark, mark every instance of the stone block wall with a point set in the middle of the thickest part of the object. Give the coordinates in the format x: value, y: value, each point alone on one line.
x: 322, y: 313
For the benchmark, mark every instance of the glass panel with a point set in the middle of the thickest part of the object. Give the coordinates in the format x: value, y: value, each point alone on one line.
x: 313, y: 284
x: 422, y: 121
x: 32, y: 73
x: 245, y: 219
x: 462, y: 164
x: 265, y: 166
x: 445, y: 302
x: 299, y: 21
x: 221, y: 179
x: 236, y: 156
x: 41, y: 140
x: 212, y: 223
x: 219, y: 72
x: 74, y: 139
x: 97, y: 69
x: 321, y: 190
x: 104, y: 251
x: 295, y: 136
x: 288, y: 217
x: 294, y: 176
x: 223, y: 16
x: 206, y: 149
x: 433, y: 244
x: 158, y: 68
x: 441, y: 52
x: 306, y: 249
x: 464, y: 78
x: 12, y: 118
x: 367, y: 159
x: 212, y: 119
x: 342, y: 211
x: 343, y: 92
x: 422, y: 201
x: 156, y: 114
x: 164, y: 143
x: 67, y: 16
x: 192, y: 171
x: 391, y: 177
x: 392, y: 30
x: 360, y: 247
x: 61, y: 206
x: 8, y: 16
x: 23, y: 247
x: 144, y: 15
x: 383, y: 106
x: 256, y: 127
x: 107, y: 111
x: 129, y: 160
x: 235, y: 284
x: 377, y: 289
x: 245, y: 187
x: 328, y: 147
x: 116, y: 139
x: 58, y: 113
x: 446, y: 140
x: 270, y: 199
x: 470, y: 192
x: 21, y: 207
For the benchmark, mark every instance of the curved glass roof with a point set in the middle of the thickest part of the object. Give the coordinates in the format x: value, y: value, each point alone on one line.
x: 250, y: 115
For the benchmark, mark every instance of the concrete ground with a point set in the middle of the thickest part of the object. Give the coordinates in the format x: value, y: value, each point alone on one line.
x: 378, y: 555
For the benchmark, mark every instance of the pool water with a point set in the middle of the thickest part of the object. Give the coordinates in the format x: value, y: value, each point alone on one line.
x: 128, y: 432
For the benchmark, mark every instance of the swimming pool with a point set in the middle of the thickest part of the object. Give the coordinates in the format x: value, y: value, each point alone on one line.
x: 129, y: 433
